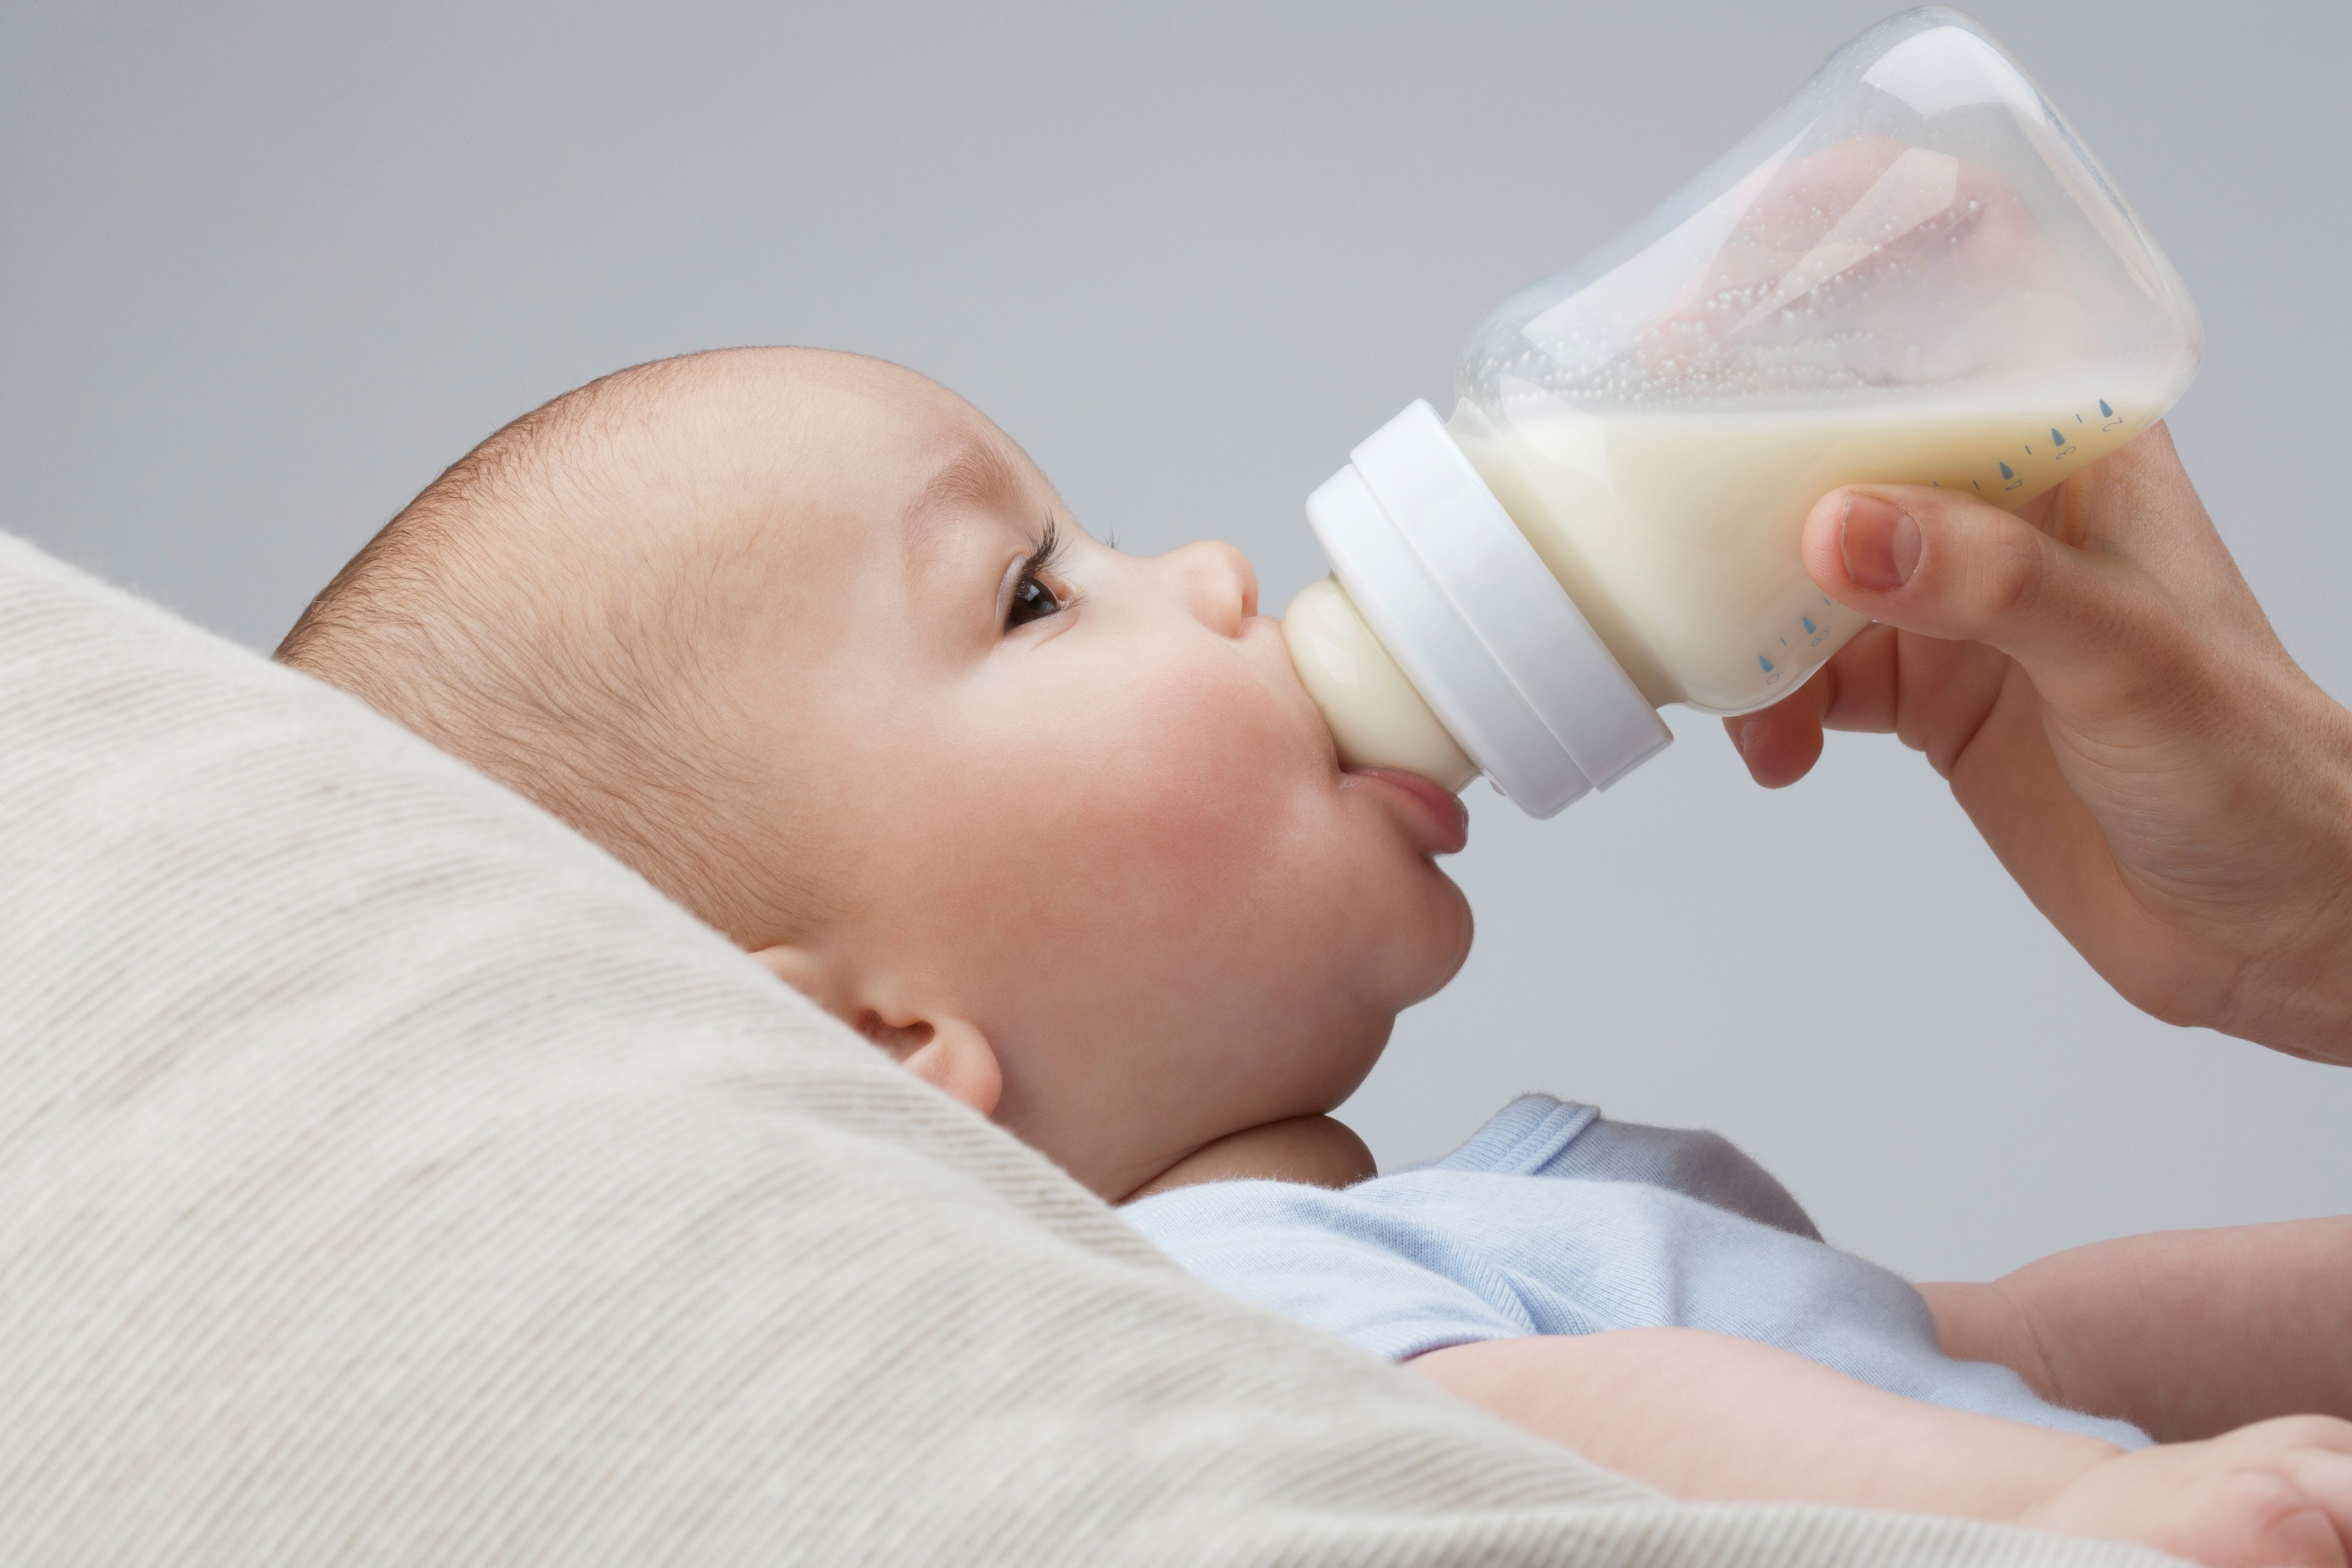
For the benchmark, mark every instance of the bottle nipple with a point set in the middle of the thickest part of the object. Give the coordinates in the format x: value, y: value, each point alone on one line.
x: 1375, y: 715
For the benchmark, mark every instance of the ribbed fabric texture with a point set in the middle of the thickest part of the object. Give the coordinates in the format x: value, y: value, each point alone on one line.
x: 387, y: 1177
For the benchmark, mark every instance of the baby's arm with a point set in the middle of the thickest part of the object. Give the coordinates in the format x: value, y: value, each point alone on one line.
x: 2185, y: 1334
x: 1704, y: 1415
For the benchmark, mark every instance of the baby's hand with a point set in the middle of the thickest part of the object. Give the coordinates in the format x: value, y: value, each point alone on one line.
x: 2277, y: 1494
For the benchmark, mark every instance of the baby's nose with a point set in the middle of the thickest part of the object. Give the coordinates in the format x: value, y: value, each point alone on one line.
x: 1217, y: 585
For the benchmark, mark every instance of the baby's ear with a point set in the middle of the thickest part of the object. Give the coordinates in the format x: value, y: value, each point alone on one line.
x: 950, y: 1054
x: 957, y: 1059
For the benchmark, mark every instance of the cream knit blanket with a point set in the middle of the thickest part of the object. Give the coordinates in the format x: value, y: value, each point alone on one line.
x: 388, y: 1176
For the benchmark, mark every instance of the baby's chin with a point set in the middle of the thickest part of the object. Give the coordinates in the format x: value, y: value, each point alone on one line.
x: 1423, y: 938
x: 1389, y: 832
x: 1420, y: 951
x: 1458, y: 927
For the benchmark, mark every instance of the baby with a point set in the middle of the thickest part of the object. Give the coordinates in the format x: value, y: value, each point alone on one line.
x: 813, y: 645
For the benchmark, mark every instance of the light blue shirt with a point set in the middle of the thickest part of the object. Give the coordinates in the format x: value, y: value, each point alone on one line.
x: 1553, y: 1221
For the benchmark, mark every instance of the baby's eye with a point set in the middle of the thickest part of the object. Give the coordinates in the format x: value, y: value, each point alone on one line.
x: 1031, y: 601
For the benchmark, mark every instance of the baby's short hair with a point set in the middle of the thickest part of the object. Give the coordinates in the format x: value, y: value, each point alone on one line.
x: 467, y: 620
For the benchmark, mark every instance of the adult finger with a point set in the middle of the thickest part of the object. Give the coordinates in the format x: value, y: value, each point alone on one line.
x: 1854, y: 690
x: 1956, y: 568
x: 1781, y: 743
x: 1931, y: 693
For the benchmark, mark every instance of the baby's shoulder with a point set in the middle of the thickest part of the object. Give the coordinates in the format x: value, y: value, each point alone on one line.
x: 1539, y: 1135
x: 1536, y: 1164
x: 1698, y: 1164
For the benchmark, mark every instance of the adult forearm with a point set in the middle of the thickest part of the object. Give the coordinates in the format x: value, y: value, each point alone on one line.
x: 2186, y: 1333
x: 1703, y: 1415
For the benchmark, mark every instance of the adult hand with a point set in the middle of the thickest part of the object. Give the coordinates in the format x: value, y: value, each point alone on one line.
x: 2117, y: 716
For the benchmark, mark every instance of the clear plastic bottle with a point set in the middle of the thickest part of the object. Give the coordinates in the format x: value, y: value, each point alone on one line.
x: 1915, y: 272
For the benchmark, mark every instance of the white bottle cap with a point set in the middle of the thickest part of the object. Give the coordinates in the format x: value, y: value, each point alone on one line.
x: 1456, y: 593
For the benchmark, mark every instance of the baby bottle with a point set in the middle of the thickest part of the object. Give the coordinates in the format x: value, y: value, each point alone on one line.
x: 1913, y: 273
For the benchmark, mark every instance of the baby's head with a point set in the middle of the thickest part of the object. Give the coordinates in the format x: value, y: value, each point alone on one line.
x: 814, y: 645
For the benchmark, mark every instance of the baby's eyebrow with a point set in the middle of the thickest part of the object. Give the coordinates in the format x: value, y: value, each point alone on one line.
x: 977, y: 475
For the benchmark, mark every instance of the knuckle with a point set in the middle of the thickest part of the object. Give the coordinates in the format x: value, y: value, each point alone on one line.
x: 2011, y: 571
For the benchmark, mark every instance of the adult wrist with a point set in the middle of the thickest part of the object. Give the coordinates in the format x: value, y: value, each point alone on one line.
x: 2298, y: 995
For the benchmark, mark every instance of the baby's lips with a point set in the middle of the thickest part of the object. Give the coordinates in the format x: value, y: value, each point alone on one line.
x: 1440, y: 811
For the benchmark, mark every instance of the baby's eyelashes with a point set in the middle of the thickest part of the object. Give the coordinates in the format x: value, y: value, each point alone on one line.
x: 1035, y: 598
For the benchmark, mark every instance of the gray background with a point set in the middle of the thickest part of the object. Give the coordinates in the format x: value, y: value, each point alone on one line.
x: 264, y: 271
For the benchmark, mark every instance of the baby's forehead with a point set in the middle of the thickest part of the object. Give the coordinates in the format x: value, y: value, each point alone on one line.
x: 878, y: 504
x: 920, y: 479
x: 900, y: 453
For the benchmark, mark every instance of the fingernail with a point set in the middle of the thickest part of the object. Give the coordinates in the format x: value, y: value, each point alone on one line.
x: 1879, y: 540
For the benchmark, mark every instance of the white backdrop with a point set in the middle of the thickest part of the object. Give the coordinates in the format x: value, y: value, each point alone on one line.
x: 265, y: 270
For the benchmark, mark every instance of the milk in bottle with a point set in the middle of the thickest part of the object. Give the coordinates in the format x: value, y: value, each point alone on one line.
x: 1671, y: 531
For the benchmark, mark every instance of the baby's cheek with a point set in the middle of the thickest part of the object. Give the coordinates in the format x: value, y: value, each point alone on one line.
x: 1158, y: 817
x: 1207, y: 752
x: 1163, y: 793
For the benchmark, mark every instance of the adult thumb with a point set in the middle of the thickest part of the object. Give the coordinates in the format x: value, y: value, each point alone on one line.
x: 1930, y: 560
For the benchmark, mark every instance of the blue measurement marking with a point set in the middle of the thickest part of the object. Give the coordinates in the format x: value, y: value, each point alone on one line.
x: 2055, y: 438
x: 1809, y: 628
x: 2078, y: 419
x: 1974, y: 486
x: 2007, y: 472
x: 2106, y: 412
x: 1765, y: 662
